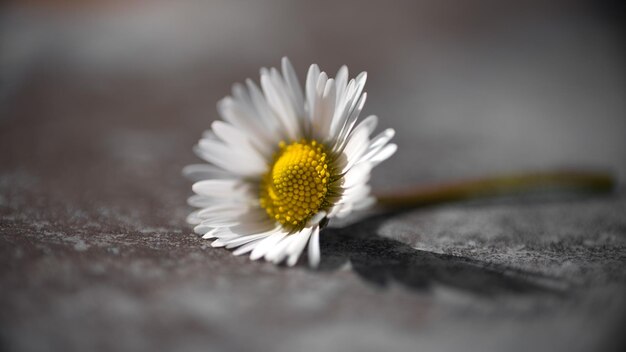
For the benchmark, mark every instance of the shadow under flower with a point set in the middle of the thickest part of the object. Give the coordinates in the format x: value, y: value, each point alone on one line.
x: 380, y: 260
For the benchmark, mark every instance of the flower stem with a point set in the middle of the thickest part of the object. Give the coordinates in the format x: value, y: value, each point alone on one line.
x: 504, y: 185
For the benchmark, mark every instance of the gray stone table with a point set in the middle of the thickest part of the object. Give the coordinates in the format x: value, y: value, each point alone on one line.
x: 95, y: 254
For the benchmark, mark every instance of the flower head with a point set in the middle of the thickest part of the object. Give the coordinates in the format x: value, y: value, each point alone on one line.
x: 283, y: 161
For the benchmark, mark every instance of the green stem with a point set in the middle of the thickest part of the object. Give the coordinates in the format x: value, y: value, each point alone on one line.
x: 514, y: 184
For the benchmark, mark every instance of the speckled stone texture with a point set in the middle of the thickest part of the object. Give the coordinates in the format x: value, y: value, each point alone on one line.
x: 95, y: 254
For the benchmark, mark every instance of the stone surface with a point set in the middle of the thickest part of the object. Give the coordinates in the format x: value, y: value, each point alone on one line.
x: 95, y: 254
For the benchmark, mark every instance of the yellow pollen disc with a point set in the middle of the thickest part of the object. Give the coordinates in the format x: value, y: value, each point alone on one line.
x: 295, y: 188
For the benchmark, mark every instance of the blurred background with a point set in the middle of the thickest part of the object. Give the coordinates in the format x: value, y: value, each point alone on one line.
x: 101, y: 102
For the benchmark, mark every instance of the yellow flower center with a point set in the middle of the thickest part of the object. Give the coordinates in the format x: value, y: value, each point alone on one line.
x: 296, y: 186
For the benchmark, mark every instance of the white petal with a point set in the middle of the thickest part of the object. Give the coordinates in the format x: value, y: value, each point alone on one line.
x: 314, y: 248
x: 224, y: 234
x: 381, y: 139
x: 317, y: 105
x: 225, y: 151
x: 223, y: 210
x: 229, y: 214
x: 209, y: 234
x: 365, y: 203
x: 193, y: 218
x: 240, y: 140
x: 217, y: 243
x: 355, y: 198
x: 356, y: 146
x: 357, y: 175
x: 360, y: 84
x: 297, y: 245
x: 342, y: 80
x: 265, y: 111
x: 197, y: 172
x: 334, y: 210
x: 254, y: 227
x: 376, y: 145
x: 218, y: 223
x: 280, y: 108
x: 255, y: 242
x: 293, y: 85
x: 342, y: 110
x: 311, y: 88
x: 241, y: 240
x: 342, y: 138
x: 316, y: 218
x: 228, y: 133
x: 369, y: 123
x: 345, y: 210
x: 261, y: 106
x: 204, y: 230
x: 248, y: 247
x: 286, y: 97
x: 277, y: 253
x: 220, y: 188
x: 324, y: 108
x: 266, y: 245
x: 355, y: 194
x: 384, y: 154
x: 260, y: 137
x: 199, y: 201
x: 234, y: 161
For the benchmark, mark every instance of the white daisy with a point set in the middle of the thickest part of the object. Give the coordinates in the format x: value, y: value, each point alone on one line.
x: 283, y: 161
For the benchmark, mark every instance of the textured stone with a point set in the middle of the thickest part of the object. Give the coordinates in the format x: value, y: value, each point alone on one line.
x: 95, y: 254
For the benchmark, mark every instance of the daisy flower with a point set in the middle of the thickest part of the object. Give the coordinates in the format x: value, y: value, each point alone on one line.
x: 283, y: 161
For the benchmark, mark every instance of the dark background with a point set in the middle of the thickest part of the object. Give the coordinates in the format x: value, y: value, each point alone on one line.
x: 101, y: 102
